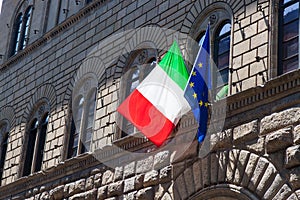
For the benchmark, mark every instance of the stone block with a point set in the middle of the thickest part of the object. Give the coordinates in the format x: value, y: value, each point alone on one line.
x: 57, y: 193
x: 151, y: 178
x: 279, y: 140
x: 115, y: 189
x: 118, y: 173
x: 129, y: 185
x: 165, y: 174
x: 279, y: 120
x: 144, y: 165
x: 89, y: 183
x: 296, y: 134
x: 107, y: 177
x: 91, y: 195
x: 129, y: 170
x: 139, y: 180
x: 283, y: 193
x: 292, y: 156
x: 221, y: 140
x: 145, y: 194
x: 98, y: 180
x: 245, y: 132
x: 295, y: 178
x: 161, y: 159
x: 259, y: 39
x: 102, y: 192
x: 197, y: 175
x: 240, y: 48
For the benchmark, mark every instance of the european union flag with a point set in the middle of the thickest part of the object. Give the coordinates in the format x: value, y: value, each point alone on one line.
x: 196, y: 91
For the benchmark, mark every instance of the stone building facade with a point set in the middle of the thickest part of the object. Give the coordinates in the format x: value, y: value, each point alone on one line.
x: 66, y: 65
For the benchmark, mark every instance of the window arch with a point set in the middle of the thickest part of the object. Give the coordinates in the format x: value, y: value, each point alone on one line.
x: 21, y: 28
x: 36, y: 138
x: 140, y: 64
x: 288, y: 36
x: 219, y: 17
x: 4, y: 133
x: 83, y: 116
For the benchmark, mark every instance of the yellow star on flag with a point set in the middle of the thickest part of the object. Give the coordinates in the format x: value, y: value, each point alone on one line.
x: 194, y: 73
x: 201, y: 103
x: 192, y: 84
x: 200, y: 65
x: 206, y: 104
x: 195, y: 95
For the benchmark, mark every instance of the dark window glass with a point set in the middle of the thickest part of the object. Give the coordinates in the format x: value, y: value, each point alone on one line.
x: 26, y: 22
x: 221, y: 55
x: 30, y: 148
x: 17, y: 34
x: 41, y: 144
x: 21, y: 31
x: 4, y: 143
x: 288, y: 36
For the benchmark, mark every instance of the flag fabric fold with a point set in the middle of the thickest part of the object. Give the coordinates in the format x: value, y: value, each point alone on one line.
x: 157, y: 104
x: 196, y: 91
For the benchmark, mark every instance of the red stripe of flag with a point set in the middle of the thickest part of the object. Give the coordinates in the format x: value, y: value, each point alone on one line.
x: 146, y: 117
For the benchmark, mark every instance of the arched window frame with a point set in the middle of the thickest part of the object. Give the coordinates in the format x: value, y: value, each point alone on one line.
x: 21, y: 30
x: 36, y: 133
x: 288, y: 42
x: 4, y: 136
x: 140, y: 63
x: 82, y: 116
x: 215, y: 16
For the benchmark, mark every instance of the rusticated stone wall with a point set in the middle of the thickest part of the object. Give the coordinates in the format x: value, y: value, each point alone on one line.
x: 255, y: 160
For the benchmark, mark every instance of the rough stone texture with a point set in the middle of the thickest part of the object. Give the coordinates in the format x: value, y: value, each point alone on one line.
x: 129, y: 185
x: 295, y: 178
x: 292, y: 157
x: 98, y: 180
x: 129, y: 170
x: 58, y: 192
x: 283, y: 193
x: 107, y: 177
x: 221, y: 140
x: 296, y: 134
x: 165, y: 174
x: 245, y: 132
x: 145, y: 194
x: 279, y: 140
x: 115, y: 188
x: 49, y: 69
x: 151, y: 178
x: 279, y: 120
x: 89, y: 183
x: 161, y: 159
x: 102, y: 192
x: 91, y: 195
x: 118, y: 173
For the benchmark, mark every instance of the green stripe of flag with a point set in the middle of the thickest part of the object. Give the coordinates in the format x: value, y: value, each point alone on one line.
x: 173, y: 64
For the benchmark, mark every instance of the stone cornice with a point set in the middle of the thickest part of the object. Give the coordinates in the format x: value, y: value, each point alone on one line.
x: 53, y: 33
x: 273, y: 90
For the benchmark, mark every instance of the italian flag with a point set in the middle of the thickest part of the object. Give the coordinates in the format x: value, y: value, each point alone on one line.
x: 158, y: 103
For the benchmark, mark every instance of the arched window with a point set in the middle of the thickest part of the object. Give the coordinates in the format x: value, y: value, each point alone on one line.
x: 221, y: 58
x: 288, y: 36
x: 83, y: 116
x: 36, y: 138
x: 142, y: 62
x: 4, y: 132
x: 20, y: 35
